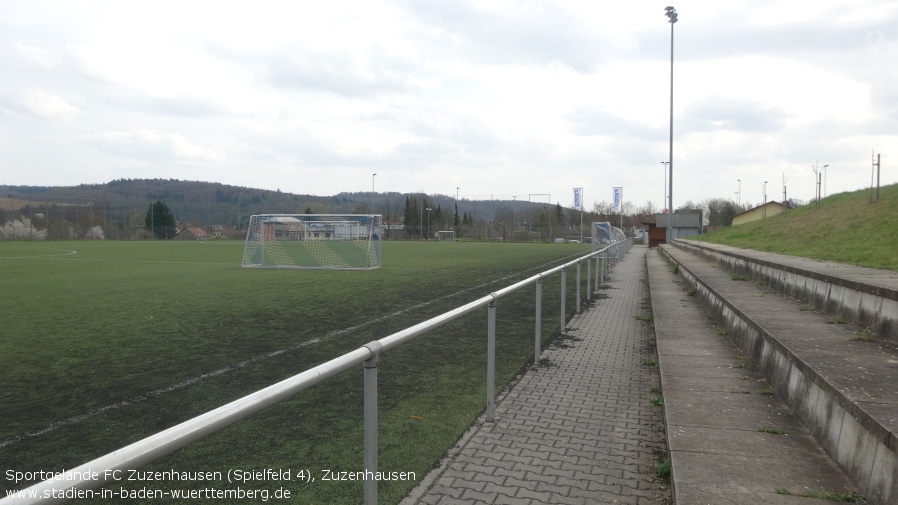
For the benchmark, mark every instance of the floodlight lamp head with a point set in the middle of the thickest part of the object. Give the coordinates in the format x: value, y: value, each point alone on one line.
x: 671, y: 13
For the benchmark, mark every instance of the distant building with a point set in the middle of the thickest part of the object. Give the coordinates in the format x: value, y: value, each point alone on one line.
x: 193, y: 233
x: 760, y: 212
x: 685, y: 224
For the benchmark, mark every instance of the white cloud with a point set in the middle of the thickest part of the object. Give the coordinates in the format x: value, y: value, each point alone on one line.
x: 35, y: 55
x: 48, y: 105
x: 154, y: 146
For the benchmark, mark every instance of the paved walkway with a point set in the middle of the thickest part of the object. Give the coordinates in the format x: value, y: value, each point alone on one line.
x: 580, y: 429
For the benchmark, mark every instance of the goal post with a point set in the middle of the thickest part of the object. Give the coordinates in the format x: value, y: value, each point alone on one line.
x: 446, y: 236
x: 316, y: 241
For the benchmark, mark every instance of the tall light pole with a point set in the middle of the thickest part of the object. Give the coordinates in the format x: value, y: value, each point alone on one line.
x: 428, y: 209
x: 664, y: 201
x: 824, y: 180
x: 671, y: 14
x: 764, y: 208
x: 372, y: 182
x: 816, y: 171
x: 739, y: 194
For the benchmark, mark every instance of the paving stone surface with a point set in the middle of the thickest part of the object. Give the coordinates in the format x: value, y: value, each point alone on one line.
x: 579, y: 429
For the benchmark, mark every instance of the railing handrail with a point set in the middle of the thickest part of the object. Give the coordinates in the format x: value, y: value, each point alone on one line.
x: 96, y: 472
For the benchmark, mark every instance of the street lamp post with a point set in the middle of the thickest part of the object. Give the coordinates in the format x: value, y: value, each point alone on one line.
x: 764, y: 208
x: 816, y: 171
x: 428, y: 209
x: 671, y: 14
x: 664, y: 201
x: 824, y: 180
x: 739, y: 194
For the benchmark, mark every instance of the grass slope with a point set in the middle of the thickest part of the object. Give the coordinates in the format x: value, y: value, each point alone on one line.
x: 846, y: 228
x: 164, y: 331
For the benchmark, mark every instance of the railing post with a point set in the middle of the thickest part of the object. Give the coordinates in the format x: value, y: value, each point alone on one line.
x: 563, y: 296
x: 598, y: 259
x: 539, y: 322
x: 370, y: 407
x: 606, y: 264
x: 491, y: 362
x: 588, y: 278
x: 578, y: 287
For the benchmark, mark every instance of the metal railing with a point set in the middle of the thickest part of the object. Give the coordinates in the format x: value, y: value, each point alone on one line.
x: 95, y: 473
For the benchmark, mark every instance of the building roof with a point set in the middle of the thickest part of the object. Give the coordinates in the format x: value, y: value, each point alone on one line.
x: 197, y: 232
x: 768, y: 204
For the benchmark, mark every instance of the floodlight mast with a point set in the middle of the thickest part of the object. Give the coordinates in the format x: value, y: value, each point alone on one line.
x: 664, y: 187
x: 671, y: 14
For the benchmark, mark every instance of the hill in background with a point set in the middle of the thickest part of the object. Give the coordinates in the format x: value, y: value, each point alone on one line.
x: 119, y: 207
x: 846, y: 228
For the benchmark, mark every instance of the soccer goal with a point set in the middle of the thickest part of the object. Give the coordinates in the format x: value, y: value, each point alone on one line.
x: 446, y: 235
x: 323, y: 241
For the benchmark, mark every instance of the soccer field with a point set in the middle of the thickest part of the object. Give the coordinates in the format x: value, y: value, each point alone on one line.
x: 104, y: 343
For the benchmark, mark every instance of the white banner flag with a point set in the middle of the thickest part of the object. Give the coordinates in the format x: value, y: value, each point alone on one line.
x: 618, y: 200
x: 578, y: 198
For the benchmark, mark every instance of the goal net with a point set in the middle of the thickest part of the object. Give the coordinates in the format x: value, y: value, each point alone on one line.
x: 323, y: 241
x: 446, y: 235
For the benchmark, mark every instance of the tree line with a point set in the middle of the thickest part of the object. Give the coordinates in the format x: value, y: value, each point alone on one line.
x: 126, y: 209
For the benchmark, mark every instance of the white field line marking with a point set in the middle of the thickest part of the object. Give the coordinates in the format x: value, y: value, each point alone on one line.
x: 64, y: 252
x: 82, y: 417
x: 90, y: 260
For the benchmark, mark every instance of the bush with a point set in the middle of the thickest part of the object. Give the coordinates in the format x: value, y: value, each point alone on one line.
x: 21, y: 229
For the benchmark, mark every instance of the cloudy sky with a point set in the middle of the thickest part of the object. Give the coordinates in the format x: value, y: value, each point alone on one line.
x: 497, y: 98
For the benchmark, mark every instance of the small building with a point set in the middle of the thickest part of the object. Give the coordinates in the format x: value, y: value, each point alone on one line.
x: 685, y: 224
x: 768, y: 209
x: 226, y: 232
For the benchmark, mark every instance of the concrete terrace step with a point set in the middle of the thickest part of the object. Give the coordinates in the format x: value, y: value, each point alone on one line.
x: 841, y: 385
x: 730, y: 440
x: 866, y: 296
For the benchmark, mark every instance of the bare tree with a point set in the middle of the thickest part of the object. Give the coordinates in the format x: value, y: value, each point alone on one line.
x: 647, y: 209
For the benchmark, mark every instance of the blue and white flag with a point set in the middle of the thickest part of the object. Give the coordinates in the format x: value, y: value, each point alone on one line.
x: 617, y: 200
x: 578, y: 198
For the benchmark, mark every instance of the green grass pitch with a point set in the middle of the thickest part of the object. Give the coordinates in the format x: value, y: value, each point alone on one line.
x: 104, y: 343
